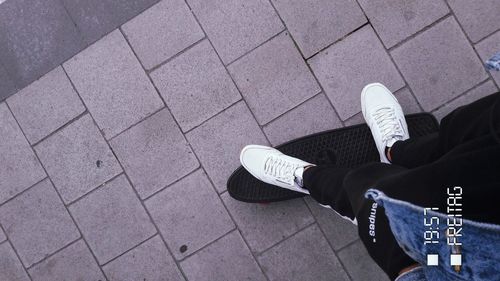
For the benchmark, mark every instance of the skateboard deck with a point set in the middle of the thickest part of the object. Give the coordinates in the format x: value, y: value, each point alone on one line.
x: 350, y: 146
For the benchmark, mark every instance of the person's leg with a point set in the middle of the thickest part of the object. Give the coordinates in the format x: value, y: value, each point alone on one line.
x: 414, y: 152
x: 343, y: 190
x: 461, y: 125
x: 324, y: 184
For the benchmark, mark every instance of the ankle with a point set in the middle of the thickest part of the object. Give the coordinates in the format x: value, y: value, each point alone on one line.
x: 388, y: 153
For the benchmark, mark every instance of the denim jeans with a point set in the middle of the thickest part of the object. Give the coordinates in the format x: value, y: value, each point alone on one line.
x: 479, y: 250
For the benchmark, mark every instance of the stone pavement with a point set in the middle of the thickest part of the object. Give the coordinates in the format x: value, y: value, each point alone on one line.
x: 113, y: 165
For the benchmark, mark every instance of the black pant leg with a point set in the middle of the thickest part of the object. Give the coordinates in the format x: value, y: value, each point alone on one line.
x: 461, y: 125
x: 343, y: 189
x: 415, y: 152
x: 325, y: 186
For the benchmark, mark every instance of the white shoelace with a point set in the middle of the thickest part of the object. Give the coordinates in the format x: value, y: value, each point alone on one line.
x: 280, y: 169
x: 388, y: 123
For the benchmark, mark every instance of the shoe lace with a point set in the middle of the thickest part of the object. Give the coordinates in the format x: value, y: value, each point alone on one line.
x: 280, y: 169
x: 388, y: 124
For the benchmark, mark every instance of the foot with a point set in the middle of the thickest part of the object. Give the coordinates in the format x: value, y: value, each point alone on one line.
x: 273, y: 167
x: 384, y: 116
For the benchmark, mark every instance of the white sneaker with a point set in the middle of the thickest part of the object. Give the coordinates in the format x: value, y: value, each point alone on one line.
x: 271, y: 166
x: 384, y: 116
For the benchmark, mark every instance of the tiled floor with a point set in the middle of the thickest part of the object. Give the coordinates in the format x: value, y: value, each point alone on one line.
x: 113, y: 164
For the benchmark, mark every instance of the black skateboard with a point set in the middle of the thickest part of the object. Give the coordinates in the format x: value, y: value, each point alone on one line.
x: 350, y: 146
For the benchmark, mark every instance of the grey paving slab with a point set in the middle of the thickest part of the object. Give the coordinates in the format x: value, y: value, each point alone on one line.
x: 347, y: 66
x: 407, y: 101
x: 20, y: 168
x: 77, y: 159
x: 236, y: 27
x: 45, y: 105
x: 2, y: 236
x: 359, y: 264
x: 338, y: 231
x: 195, y: 85
x: 10, y: 266
x: 154, y: 153
x: 112, y: 219
x: 7, y: 86
x: 35, y: 36
x: 37, y: 223
x: 95, y: 18
x: 149, y: 261
x: 396, y: 20
x: 273, y: 78
x: 162, y: 31
x: 75, y: 262
x: 185, y: 210
x: 430, y: 66
x: 226, y: 259
x: 487, y: 48
x: 316, y: 24
x: 218, y: 142
x: 483, y: 90
x: 477, y: 18
x: 306, y: 257
x: 314, y: 115
x: 112, y: 84
x: 355, y: 120
x: 264, y: 225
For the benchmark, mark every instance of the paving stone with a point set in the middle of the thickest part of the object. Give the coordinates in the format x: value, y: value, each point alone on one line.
x: 305, y: 256
x: 339, y: 231
x: 315, y: 115
x: 45, y: 105
x: 273, y: 78
x: 396, y: 20
x: 193, y: 207
x: 95, y: 18
x: 154, y: 153
x: 195, y: 86
x: 77, y: 159
x: 486, y: 49
x: 430, y: 65
x: 219, y: 141
x: 10, y: 266
x: 264, y: 225
x: 359, y: 264
x: 37, y: 223
x: 20, y: 168
x: 226, y: 259
x: 149, y: 261
x: 7, y: 86
x: 355, y: 120
x: 72, y: 263
x: 407, y: 101
x: 162, y: 31
x: 2, y: 236
x: 477, y: 18
x: 236, y: 27
x: 113, y: 84
x: 483, y: 90
x: 112, y: 219
x: 347, y: 66
x: 35, y: 37
x: 316, y: 24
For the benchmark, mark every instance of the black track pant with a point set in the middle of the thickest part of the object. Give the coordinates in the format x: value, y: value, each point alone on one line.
x: 421, y: 169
